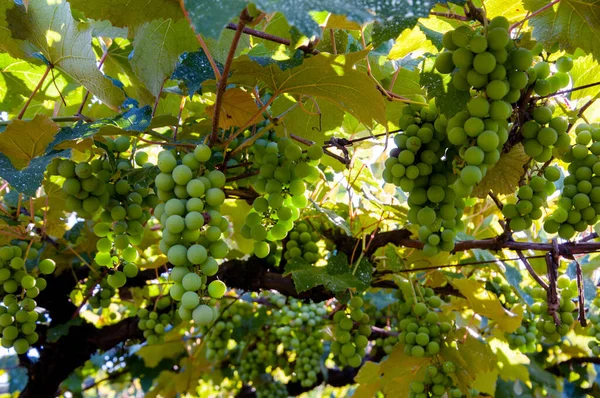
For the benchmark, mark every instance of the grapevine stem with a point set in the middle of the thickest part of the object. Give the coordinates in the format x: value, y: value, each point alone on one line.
x: 449, y: 15
x: 35, y: 90
x: 87, y: 92
x: 222, y: 84
x: 266, y: 36
x: 157, y: 98
x: 533, y: 14
x: 531, y: 271
x: 211, y: 60
x: 568, y: 91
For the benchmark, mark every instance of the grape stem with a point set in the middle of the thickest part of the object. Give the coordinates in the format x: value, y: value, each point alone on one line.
x: 449, y: 15
x: 567, y: 91
x: 35, y: 90
x: 531, y: 271
x: 533, y: 14
x: 222, y: 84
x: 87, y: 92
x: 309, y: 49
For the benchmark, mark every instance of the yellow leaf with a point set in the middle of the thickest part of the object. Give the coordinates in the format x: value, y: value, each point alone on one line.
x: 411, y: 41
x: 504, y: 177
x: 153, y: 354
x: 24, y: 140
x: 238, y: 108
x: 487, y: 304
x: 159, y: 261
x: 392, y: 375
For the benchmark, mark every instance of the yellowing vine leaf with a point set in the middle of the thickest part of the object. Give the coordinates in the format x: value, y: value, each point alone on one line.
x: 24, y: 140
x: 485, y: 303
x: 392, y: 376
x: 237, y: 108
x: 570, y: 23
x: 411, y: 41
x: 323, y: 76
x: 156, y: 50
x: 504, y: 177
x: 66, y: 44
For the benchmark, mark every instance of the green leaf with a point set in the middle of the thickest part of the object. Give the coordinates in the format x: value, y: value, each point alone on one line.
x: 570, y: 23
x: 336, y: 276
x: 487, y: 304
x: 9, y: 44
x: 585, y: 71
x: 335, y: 218
x: 193, y: 70
x: 156, y: 50
x: 22, y: 141
x: 56, y: 332
x: 448, y: 99
x: 66, y: 44
x: 153, y: 354
x: 407, y: 83
x: 29, y: 179
x: 323, y: 76
x: 504, y: 177
x: 134, y: 120
x: 129, y: 13
x: 315, y: 120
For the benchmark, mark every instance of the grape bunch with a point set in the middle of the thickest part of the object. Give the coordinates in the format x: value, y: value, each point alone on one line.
x: 220, y: 341
x: 523, y: 338
x: 545, y: 133
x: 415, y: 166
x: 594, y: 330
x: 436, y: 383
x: 421, y: 329
x: 284, y: 169
x: 386, y: 344
x: 503, y: 290
x: 192, y: 229
x: 545, y: 324
x: 546, y: 82
x: 302, y: 243
x: 19, y: 288
x: 153, y: 325
x: 101, y: 294
x: 579, y: 204
x: 350, y: 340
x: 531, y: 198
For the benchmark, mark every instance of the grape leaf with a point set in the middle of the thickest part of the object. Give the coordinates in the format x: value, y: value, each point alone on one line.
x: 9, y: 44
x: 407, y: 83
x: 504, y: 177
x: 129, y: 13
x: 66, y: 44
x: 170, y: 349
x: 336, y: 276
x: 238, y: 108
x: 29, y: 179
x: 487, y: 304
x: 392, y: 376
x: 193, y: 70
x: 56, y: 332
x: 315, y: 120
x: 156, y: 50
x: 134, y: 120
x: 585, y: 71
x: 411, y: 41
x: 323, y: 76
x: 22, y: 140
x: 511, y: 10
x: 475, y: 362
x: 448, y: 99
x: 570, y: 23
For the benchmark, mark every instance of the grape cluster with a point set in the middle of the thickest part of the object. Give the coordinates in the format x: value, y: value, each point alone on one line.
x: 545, y: 324
x: 153, y: 325
x: 220, y: 340
x: 415, y: 166
x: 546, y: 82
x: 594, y: 330
x: 192, y: 228
x: 284, y: 169
x: 421, y: 329
x: 436, y: 383
x: 350, y: 341
x: 531, y: 198
x: 579, y: 204
x: 545, y: 133
x: 523, y: 338
x: 302, y: 243
x: 18, y: 289
x: 101, y: 295
x: 386, y: 344
x: 503, y: 290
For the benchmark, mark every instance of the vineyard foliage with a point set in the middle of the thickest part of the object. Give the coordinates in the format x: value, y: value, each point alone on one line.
x: 299, y: 198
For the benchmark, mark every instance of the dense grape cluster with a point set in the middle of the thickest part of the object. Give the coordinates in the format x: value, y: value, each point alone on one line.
x: 421, y: 329
x: 192, y: 229
x: 19, y: 288
x: 545, y: 135
x: 101, y: 295
x: 416, y: 167
x: 153, y: 325
x: 579, y: 204
x: 531, y: 198
x: 436, y: 383
x: 523, y: 338
x: 302, y: 243
x: 545, y: 323
x: 503, y: 290
x: 351, y: 333
x: 594, y: 330
x: 284, y: 169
